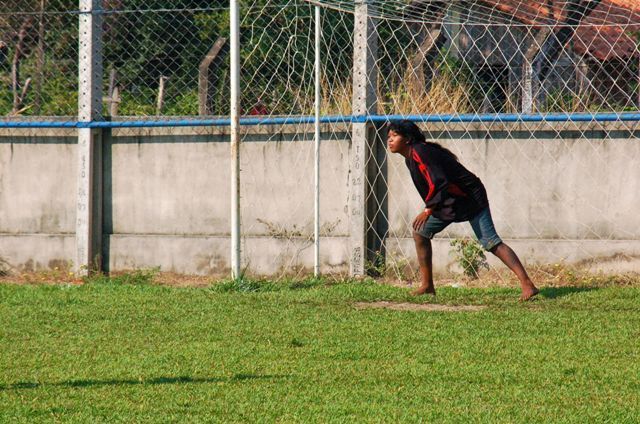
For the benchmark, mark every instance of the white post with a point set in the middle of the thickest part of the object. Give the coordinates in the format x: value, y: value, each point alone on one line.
x: 316, y: 219
x: 88, y: 210
x: 235, y: 138
x: 365, y: 45
x: 527, y: 87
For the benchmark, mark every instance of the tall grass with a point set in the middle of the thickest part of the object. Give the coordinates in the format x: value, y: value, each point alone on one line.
x: 445, y: 94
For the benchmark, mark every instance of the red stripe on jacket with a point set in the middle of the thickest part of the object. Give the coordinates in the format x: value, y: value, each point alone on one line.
x: 425, y: 173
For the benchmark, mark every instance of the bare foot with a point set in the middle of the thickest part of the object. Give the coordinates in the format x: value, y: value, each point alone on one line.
x: 424, y: 290
x: 528, y: 293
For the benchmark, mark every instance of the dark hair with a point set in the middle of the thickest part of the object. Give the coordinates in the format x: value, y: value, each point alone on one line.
x: 413, y: 134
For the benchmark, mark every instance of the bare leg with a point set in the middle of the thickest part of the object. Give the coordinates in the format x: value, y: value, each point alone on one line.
x: 423, y: 250
x: 510, y: 259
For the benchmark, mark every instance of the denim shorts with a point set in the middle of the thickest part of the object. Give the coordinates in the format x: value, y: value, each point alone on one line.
x: 482, y: 225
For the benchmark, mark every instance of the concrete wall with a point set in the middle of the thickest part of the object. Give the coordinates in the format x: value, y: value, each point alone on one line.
x: 563, y: 193
x: 167, y: 199
x: 37, y: 197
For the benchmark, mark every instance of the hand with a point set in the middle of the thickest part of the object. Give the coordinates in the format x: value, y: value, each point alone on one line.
x: 421, y: 219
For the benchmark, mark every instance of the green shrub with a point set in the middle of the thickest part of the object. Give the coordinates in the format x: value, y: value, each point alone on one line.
x: 470, y: 256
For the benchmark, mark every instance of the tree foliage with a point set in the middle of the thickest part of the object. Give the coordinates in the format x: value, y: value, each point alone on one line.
x: 147, y: 39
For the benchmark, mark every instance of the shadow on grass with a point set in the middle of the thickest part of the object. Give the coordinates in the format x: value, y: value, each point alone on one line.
x: 141, y: 381
x: 555, y: 292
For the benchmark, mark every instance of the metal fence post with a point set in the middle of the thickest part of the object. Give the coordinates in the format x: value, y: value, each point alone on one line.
x: 234, y: 17
x: 89, y: 189
x: 318, y: 75
x: 365, y: 75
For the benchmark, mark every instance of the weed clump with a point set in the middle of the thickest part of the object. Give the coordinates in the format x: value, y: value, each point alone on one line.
x: 470, y: 256
x: 245, y: 284
x: 136, y: 277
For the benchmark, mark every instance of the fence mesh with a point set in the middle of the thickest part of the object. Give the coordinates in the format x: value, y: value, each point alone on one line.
x: 470, y: 73
x: 435, y: 57
x: 467, y: 71
x: 38, y: 59
x: 277, y: 177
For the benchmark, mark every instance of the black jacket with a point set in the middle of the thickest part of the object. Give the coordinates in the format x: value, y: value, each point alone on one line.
x: 450, y: 190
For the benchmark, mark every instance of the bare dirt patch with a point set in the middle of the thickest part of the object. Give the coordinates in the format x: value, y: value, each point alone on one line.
x: 433, y: 307
x: 181, y: 280
x: 52, y: 277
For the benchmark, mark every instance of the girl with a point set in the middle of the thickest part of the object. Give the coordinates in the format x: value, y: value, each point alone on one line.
x: 451, y: 194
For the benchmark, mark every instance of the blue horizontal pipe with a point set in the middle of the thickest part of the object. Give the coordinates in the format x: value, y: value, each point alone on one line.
x: 225, y: 122
x: 511, y: 117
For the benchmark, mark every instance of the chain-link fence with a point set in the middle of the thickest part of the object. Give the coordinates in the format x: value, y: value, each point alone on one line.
x: 434, y: 57
x: 38, y: 58
x: 538, y: 98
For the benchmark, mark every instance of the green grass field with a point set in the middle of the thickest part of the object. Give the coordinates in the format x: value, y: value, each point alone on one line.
x: 112, y: 351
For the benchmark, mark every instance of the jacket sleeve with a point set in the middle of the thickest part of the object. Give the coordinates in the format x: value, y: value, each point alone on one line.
x: 431, y: 170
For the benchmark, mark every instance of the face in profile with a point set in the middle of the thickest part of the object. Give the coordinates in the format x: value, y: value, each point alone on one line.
x: 396, y: 142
